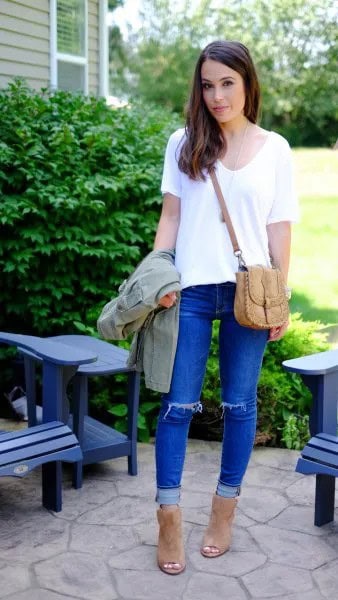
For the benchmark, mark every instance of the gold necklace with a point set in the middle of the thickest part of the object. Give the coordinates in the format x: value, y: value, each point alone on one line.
x: 233, y: 171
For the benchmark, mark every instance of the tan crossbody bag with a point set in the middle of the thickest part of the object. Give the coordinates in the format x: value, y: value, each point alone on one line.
x: 260, y: 301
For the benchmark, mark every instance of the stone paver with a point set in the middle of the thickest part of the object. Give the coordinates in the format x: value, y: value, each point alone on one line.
x: 312, y: 595
x: 262, y: 504
x: 203, y: 586
x: 101, y: 540
x: 33, y: 539
x: 276, y: 581
x: 124, y: 510
x: 292, y: 548
x: 38, y: 594
x: 76, y: 574
x: 14, y: 578
x: 133, y: 585
x: 258, y: 475
x: 299, y: 518
x: 327, y: 579
x: 102, y: 546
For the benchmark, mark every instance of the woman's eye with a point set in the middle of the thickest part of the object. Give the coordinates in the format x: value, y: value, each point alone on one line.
x: 227, y: 83
x: 206, y: 86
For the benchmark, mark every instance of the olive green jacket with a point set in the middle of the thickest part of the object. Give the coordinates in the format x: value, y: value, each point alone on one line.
x: 136, y: 311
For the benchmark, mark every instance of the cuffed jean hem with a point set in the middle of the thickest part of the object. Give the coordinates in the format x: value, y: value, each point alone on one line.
x: 168, y: 495
x: 228, y: 491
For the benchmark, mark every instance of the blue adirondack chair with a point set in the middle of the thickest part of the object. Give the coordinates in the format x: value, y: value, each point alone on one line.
x: 320, y: 455
x: 52, y: 441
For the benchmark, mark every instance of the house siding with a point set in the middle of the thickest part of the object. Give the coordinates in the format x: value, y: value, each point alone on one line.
x: 24, y: 43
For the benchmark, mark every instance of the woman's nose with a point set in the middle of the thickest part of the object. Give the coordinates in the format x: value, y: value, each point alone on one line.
x: 218, y: 94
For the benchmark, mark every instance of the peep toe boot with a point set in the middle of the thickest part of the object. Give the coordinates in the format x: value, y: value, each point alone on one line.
x: 217, y: 538
x: 170, y: 552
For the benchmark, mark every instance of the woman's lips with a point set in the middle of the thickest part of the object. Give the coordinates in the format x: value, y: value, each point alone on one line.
x: 219, y: 108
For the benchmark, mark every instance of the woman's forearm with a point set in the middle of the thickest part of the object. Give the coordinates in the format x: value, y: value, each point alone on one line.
x: 168, y: 225
x: 279, y: 236
x: 166, y: 234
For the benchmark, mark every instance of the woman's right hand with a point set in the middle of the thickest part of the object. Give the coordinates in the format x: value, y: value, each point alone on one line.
x: 168, y: 300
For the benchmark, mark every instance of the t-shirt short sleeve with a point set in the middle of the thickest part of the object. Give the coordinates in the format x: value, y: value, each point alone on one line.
x: 285, y: 203
x: 171, y: 178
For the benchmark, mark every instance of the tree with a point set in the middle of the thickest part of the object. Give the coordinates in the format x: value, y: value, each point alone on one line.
x: 117, y: 57
x: 292, y: 43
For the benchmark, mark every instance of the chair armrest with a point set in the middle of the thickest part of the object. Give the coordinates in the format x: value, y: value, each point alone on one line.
x: 320, y: 363
x: 53, y: 352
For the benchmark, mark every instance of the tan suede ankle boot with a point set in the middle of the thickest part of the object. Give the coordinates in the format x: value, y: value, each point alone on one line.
x: 217, y: 537
x: 170, y: 552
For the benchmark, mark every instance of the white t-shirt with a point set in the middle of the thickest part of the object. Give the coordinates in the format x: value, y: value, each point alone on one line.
x: 260, y: 193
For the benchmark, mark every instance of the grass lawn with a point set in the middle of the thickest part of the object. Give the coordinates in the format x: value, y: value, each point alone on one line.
x: 314, y: 265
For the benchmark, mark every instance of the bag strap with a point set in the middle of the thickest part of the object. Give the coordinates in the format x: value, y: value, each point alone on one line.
x: 227, y: 219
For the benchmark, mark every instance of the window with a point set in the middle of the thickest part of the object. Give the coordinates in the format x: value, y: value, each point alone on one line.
x: 69, y: 35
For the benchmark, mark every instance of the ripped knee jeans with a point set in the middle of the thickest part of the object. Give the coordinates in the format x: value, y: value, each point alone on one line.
x: 240, y: 358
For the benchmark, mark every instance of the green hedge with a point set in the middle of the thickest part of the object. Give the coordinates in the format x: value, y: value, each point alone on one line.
x: 79, y: 186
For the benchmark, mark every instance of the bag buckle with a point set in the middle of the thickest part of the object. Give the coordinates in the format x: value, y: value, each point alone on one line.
x: 241, y: 261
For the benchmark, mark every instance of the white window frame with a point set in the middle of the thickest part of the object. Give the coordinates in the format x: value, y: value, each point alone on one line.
x: 55, y: 56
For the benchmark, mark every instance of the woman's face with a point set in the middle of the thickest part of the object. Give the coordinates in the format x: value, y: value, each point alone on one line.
x: 223, y: 91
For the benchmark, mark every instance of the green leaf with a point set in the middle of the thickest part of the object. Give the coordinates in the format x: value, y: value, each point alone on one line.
x: 141, y: 422
x: 120, y: 410
x: 147, y: 407
x: 143, y: 435
x: 121, y: 426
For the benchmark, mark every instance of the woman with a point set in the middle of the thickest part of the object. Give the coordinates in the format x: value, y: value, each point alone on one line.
x: 253, y: 167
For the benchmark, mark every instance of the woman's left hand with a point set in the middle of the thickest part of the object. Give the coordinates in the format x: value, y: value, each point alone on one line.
x: 276, y: 333
x: 168, y: 300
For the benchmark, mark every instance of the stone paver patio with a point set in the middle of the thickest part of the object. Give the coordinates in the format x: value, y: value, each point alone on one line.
x: 102, y: 545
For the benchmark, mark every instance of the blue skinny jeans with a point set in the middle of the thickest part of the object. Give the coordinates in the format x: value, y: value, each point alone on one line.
x: 240, y: 358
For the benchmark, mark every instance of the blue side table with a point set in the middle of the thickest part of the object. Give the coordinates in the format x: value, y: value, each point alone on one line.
x: 98, y: 442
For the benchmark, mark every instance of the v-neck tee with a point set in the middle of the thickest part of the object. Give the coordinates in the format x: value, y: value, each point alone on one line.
x: 260, y: 193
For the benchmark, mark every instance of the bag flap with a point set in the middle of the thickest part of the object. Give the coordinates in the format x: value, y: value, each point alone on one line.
x: 265, y: 285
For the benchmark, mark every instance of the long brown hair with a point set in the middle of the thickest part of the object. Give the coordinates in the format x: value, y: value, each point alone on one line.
x: 205, y: 143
